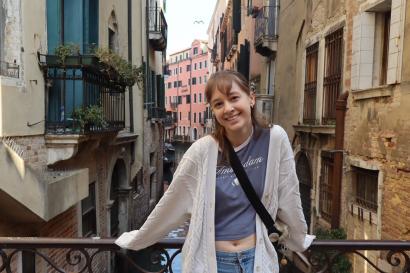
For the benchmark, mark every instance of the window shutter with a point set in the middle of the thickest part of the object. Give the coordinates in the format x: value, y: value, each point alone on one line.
x: 395, y: 54
x: 363, y: 50
x: 236, y: 14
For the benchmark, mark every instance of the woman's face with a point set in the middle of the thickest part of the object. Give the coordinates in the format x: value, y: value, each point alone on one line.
x: 233, y: 110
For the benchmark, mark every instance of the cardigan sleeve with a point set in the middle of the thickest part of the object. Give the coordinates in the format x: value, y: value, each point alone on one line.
x: 289, y: 204
x: 172, y: 210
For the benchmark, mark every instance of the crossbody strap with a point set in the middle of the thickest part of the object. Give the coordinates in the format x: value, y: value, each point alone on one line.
x: 250, y: 191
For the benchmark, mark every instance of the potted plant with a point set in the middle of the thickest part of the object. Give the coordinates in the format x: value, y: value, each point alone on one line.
x: 86, y: 117
x: 68, y: 54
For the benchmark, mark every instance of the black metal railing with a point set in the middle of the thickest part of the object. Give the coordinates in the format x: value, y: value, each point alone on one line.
x: 90, y: 255
x: 158, y: 25
x: 266, y: 23
x: 9, y: 69
x: 83, y: 97
x: 182, y: 138
x: 156, y: 112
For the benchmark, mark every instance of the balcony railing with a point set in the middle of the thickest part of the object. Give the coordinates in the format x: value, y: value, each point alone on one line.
x: 156, y: 112
x: 182, y: 138
x: 83, y: 255
x: 79, y: 84
x: 9, y: 70
x: 158, y: 28
x: 266, y: 29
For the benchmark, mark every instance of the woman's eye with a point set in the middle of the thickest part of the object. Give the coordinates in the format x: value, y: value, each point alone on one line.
x: 217, y: 105
x: 235, y: 98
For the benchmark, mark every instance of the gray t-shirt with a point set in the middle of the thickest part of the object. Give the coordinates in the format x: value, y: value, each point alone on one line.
x: 234, y: 215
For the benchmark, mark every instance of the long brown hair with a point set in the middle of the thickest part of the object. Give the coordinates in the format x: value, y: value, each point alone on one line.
x: 222, y: 81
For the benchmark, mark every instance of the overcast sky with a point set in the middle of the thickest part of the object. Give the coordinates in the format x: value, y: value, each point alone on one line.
x: 187, y: 20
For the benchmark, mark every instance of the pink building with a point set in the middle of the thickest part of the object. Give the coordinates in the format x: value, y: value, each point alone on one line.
x: 185, y: 92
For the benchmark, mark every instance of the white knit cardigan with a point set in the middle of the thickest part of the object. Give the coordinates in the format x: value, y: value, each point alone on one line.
x: 192, y: 195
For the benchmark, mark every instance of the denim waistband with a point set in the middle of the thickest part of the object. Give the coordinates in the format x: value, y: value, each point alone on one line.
x: 235, y: 256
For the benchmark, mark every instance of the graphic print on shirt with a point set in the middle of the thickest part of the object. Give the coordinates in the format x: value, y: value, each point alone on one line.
x: 251, y: 166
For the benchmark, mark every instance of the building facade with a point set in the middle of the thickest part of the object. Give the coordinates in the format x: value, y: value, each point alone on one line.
x: 349, y: 153
x: 81, y: 147
x: 185, y: 93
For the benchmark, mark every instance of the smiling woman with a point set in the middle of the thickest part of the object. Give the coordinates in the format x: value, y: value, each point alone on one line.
x: 224, y: 233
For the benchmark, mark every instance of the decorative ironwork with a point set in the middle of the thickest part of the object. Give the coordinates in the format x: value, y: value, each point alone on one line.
x: 333, y: 74
x: 323, y: 254
x: 81, y: 255
x: 309, y: 103
x: 9, y: 70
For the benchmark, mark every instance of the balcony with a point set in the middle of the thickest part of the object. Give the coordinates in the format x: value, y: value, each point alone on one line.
x: 85, y: 255
x: 33, y: 195
x: 158, y: 29
x: 156, y: 113
x: 84, y: 96
x: 264, y: 105
x: 266, y: 30
x: 9, y: 70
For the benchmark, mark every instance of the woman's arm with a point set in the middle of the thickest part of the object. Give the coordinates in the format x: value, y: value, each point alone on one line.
x: 172, y: 210
x: 289, y: 204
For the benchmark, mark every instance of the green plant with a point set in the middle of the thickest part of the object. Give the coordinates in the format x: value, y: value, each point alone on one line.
x: 128, y: 73
x: 88, y: 116
x: 341, y: 263
x: 65, y: 50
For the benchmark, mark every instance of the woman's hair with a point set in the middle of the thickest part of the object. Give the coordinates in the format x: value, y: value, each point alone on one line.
x: 222, y: 81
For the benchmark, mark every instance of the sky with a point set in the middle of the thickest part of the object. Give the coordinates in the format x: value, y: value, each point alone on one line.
x: 184, y: 22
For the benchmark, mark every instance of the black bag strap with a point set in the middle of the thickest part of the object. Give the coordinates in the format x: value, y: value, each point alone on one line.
x: 250, y: 191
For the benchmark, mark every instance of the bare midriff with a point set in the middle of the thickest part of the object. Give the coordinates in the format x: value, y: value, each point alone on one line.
x: 236, y: 245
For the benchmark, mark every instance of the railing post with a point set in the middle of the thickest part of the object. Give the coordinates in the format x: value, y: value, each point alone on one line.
x: 28, y: 262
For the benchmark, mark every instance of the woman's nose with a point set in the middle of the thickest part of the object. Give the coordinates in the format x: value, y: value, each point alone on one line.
x: 228, y: 107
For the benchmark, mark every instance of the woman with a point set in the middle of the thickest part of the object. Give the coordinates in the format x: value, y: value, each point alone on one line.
x: 225, y: 235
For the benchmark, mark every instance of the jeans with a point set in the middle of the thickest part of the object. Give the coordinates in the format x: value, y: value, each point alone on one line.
x: 235, y: 262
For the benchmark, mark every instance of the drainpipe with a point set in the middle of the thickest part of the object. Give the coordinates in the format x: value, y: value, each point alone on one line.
x: 341, y: 108
x: 131, y: 105
x: 147, y: 68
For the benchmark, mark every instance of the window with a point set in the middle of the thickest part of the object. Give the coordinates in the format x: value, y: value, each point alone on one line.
x: 88, y: 213
x: 188, y: 67
x: 205, y: 79
x: 375, y: 49
x: 200, y: 79
x: 200, y: 65
x: 180, y: 56
x: 180, y: 116
x: 194, y: 81
x: 175, y: 84
x: 194, y: 117
x: 199, y: 117
x: 194, y: 98
x: 186, y: 55
x: 195, y: 50
x: 189, y: 115
x: 179, y: 99
x: 333, y: 74
x: 194, y: 66
x: 365, y: 186
x: 169, y: 85
x: 170, y: 72
x: 200, y: 97
x: 205, y: 63
x: 188, y: 98
x: 180, y: 70
x: 309, y: 104
x: 179, y: 83
x: 325, y: 186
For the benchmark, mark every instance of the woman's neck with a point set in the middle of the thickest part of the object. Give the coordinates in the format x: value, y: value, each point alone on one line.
x: 239, y: 138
